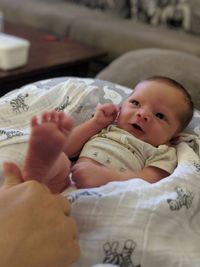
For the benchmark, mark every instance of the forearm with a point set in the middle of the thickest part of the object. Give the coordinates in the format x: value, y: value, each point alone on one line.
x: 80, y: 135
x: 87, y: 174
x: 149, y: 174
x: 104, y: 115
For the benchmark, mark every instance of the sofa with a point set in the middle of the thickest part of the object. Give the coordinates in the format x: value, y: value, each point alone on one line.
x: 143, y: 49
x: 105, y: 30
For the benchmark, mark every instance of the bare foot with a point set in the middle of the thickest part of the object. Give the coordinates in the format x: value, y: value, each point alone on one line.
x: 45, y: 159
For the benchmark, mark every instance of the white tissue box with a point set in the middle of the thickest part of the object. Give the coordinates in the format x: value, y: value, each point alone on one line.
x: 13, y: 51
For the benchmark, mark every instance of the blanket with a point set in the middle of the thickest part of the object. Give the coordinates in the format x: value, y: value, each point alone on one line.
x: 135, y: 223
x: 126, y: 224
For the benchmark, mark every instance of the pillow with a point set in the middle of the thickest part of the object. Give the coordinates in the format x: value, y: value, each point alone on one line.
x: 143, y: 63
x: 117, y: 7
x: 108, y: 92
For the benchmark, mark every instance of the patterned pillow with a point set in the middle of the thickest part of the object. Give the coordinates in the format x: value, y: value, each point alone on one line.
x: 117, y: 7
x: 108, y: 92
x: 175, y: 14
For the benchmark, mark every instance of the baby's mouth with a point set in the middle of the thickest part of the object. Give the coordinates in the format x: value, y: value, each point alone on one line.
x: 137, y: 127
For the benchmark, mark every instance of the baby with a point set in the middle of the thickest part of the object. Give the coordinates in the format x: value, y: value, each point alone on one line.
x: 116, y: 144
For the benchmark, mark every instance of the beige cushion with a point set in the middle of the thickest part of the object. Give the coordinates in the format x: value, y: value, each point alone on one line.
x: 136, y: 65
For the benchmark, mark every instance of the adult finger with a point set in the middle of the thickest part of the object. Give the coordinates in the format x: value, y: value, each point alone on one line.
x: 12, y: 174
x: 75, y: 251
x: 72, y: 225
x: 64, y: 204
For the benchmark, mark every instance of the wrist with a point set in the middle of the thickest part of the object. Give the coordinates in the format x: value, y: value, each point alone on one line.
x: 98, y: 124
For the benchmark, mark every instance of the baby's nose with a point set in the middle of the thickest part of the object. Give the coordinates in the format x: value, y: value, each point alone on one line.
x: 144, y: 115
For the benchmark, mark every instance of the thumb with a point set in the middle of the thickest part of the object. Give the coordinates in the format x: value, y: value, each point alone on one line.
x: 12, y: 174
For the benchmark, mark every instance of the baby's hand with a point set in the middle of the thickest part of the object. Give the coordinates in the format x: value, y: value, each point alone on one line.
x: 106, y: 114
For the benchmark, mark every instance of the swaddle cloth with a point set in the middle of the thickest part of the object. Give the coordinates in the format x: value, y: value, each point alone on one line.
x: 134, y: 223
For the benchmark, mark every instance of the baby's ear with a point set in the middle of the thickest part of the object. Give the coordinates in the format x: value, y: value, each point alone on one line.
x: 118, y: 113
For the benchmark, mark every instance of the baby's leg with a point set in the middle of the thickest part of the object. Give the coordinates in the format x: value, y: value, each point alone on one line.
x: 45, y: 160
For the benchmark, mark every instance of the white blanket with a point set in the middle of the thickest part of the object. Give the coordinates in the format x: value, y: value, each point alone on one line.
x: 135, y: 223
x: 124, y: 224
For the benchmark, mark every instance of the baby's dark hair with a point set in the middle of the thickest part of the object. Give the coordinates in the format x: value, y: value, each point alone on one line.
x: 185, y: 117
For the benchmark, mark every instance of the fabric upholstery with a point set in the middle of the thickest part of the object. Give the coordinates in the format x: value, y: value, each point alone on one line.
x: 134, y: 66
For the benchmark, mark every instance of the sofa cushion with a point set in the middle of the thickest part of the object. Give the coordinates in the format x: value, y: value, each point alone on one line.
x: 53, y: 16
x: 134, y: 66
x: 120, y: 8
x: 117, y: 36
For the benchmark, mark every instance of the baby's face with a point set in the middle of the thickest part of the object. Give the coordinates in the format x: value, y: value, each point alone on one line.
x: 152, y: 112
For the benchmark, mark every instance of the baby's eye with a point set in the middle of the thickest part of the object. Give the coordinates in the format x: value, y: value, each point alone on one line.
x: 135, y: 103
x: 161, y: 116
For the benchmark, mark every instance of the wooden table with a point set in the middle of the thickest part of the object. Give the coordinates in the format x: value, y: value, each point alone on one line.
x: 48, y: 57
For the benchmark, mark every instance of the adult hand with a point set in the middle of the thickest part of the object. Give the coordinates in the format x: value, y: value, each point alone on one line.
x: 35, y: 227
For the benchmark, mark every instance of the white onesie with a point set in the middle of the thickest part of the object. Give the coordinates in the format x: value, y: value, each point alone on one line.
x: 119, y: 149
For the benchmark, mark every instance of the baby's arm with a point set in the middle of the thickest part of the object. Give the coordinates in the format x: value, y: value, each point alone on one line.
x: 105, y: 114
x: 87, y: 174
x: 150, y: 174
